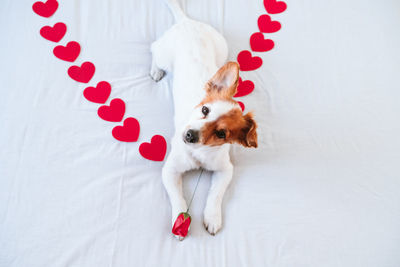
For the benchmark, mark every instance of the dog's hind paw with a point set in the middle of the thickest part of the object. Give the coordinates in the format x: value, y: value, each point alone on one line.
x: 157, y: 74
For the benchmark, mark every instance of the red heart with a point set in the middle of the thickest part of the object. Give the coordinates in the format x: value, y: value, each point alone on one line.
x: 55, y: 33
x: 127, y: 133
x: 244, y: 88
x: 241, y: 105
x: 259, y: 44
x: 114, y: 112
x: 247, y: 62
x: 155, y: 150
x: 266, y: 25
x: 98, y: 94
x: 45, y: 9
x: 274, y: 7
x: 82, y: 74
x: 69, y: 52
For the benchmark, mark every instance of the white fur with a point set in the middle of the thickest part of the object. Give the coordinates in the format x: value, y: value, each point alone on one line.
x: 193, y: 51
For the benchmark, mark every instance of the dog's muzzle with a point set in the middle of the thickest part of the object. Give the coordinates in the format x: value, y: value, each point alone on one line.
x: 192, y: 136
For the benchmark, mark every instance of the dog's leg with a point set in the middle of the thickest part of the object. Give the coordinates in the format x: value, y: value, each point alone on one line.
x: 212, y: 211
x: 161, y: 57
x: 172, y: 181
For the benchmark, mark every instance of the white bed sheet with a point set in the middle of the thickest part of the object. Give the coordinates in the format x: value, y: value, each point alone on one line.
x: 322, y: 189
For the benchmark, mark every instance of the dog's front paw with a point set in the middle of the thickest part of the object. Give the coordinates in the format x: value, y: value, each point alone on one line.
x: 212, y: 220
x: 178, y: 237
x: 157, y: 74
x: 175, y: 215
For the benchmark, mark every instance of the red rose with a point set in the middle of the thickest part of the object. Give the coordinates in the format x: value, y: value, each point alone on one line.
x: 182, y: 224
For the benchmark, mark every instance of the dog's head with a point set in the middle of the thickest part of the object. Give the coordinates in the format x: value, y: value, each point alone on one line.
x: 218, y: 119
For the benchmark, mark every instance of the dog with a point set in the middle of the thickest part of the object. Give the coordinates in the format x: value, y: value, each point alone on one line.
x: 207, y: 119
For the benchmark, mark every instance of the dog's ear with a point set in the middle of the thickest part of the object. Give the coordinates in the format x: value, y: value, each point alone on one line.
x: 225, y: 81
x: 249, y: 136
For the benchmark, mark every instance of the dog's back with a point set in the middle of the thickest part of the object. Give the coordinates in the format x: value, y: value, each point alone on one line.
x: 193, y: 51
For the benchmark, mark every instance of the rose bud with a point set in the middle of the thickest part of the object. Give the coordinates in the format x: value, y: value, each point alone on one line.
x: 182, y: 225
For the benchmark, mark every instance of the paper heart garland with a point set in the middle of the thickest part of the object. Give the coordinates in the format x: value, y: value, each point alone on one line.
x: 45, y: 9
x: 98, y: 94
x: 55, y: 33
x: 266, y: 25
x: 259, y: 44
x: 69, y: 53
x: 155, y: 150
x: 244, y: 88
x: 129, y: 132
x: 274, y: 7
x: 247, y: 62
x: 114, y: 112
x: 82, y: 74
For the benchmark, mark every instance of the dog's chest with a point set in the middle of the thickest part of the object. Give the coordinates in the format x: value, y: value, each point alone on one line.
x: 210, y: 158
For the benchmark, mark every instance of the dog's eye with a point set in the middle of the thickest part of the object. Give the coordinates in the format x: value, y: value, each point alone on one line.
x: 220, y: 134
x: 205, y: 110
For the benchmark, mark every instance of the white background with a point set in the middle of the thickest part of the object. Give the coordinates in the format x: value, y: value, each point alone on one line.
x: 322, y: 189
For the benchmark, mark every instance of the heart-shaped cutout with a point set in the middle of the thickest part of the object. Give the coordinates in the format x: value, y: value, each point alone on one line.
x: 274, y: 7
x: 55, y: 33
x: 155, y: 150
x: 98, y: 94
x: 114, y: 112
x: 241, y: 105
x: 82, y: 74
x: 129, y: 132
x: 247, y: 62
x: 69, y: 53
x: 244, y: 88
x: 259, y: 44
x: 46, y: 9
x: 266, y: 25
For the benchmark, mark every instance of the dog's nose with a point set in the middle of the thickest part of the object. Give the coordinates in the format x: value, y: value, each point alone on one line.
x: 192, y: 136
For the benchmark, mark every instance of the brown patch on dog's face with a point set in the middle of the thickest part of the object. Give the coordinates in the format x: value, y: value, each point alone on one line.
x: 232, y: 127
x: 222, y: 119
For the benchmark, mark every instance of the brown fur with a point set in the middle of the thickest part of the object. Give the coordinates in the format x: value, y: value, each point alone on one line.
x: 238, y: 128
x: 216, y: 88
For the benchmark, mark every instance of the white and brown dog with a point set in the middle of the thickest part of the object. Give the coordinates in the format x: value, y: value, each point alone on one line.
x: 207, y: 119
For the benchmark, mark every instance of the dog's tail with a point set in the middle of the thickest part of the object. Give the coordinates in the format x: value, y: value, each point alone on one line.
x: 176, y: 10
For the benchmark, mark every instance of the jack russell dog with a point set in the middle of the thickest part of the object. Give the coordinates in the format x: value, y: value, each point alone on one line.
x: 207, y: 118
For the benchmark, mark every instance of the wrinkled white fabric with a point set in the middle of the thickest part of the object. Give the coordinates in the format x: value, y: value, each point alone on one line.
x: 322, y: 189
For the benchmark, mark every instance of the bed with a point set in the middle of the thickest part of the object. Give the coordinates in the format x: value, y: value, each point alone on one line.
x: 322, y: 189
